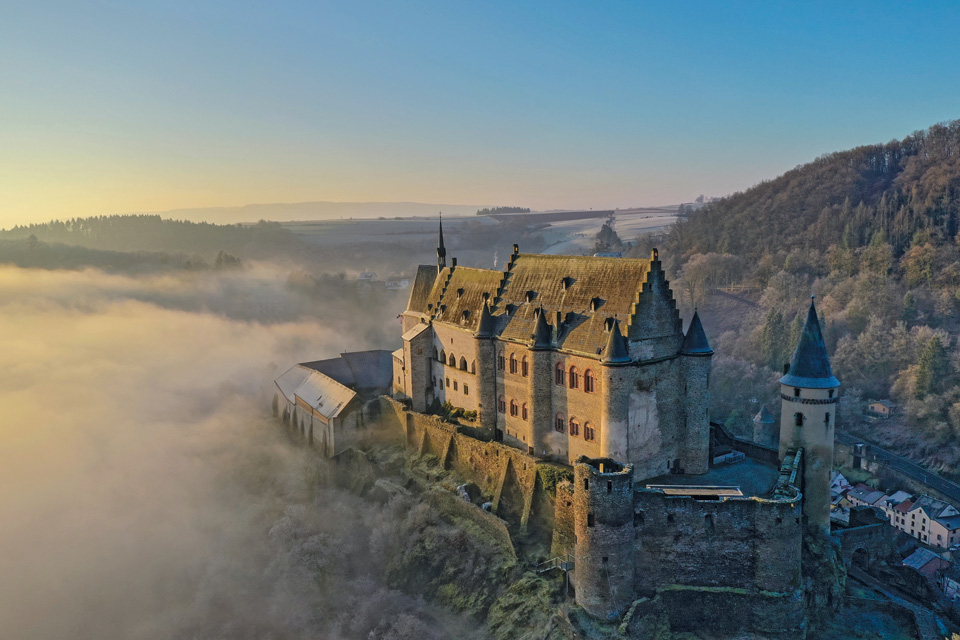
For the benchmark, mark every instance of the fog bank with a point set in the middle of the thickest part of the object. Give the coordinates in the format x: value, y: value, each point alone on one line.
x: 146, y: 493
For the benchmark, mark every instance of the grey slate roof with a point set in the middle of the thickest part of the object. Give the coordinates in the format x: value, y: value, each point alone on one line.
x: 616, y: 350
x: 542, y: 332
x: 695, y: 342
x: 810, y: 367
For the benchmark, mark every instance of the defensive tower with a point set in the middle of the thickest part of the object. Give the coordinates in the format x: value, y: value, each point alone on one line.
x: 603, y: 523
x: 696, y: 359
x: 809, y: 399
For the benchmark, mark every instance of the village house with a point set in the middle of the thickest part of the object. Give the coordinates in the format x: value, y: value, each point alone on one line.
x: 881, y: 408
x: 929, y: 520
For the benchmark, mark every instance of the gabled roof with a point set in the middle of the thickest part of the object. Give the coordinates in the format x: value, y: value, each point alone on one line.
x: 897, y: 498
x: 695, y: 342
x: 810, y: 367
x: 866, y: 494
x: 889, y: 404
x: 926, y: 562
x: 904, y: 507
x: 321, y: 392
x: 934, y: 508
x: 764, y: 416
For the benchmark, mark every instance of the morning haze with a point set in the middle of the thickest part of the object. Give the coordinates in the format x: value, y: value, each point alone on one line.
x: 419, y: 321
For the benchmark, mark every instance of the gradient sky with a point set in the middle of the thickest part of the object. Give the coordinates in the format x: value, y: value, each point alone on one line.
x: 129, y: 106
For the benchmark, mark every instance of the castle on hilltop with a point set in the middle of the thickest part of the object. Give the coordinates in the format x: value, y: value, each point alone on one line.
x: 581, y: 363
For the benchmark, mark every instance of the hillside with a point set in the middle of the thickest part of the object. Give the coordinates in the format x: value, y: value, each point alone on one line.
x: 898, y: 188
x: 873, y: 232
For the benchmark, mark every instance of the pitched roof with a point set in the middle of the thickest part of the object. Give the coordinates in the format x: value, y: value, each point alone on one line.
x: 904, y: 507
x: 542, y: 331
x: 889, y: 404
x: 866, y: 494
x: 934, y: 508
x: 926, y: 562
x: 810, y: 367
x: 321, y: 392
x: 764, y: 416
x: 695, y: 342
x: 897, y: 498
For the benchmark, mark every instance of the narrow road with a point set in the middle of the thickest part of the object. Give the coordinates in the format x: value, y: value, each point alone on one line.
x: 909, y: 469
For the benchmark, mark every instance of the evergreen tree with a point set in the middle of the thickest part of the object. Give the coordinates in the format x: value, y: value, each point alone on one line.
x: 933, y: 369
x: 772, y: 340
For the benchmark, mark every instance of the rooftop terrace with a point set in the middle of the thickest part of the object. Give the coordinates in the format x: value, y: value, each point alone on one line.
x: 754, y: 478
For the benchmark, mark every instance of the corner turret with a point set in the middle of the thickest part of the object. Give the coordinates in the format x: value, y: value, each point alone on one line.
x: 616, y: 351
x: 542, y: 333
x: 695, y: 342
x: 485, y: 326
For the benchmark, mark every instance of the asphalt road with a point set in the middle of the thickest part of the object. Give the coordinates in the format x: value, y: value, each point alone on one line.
x: 909, y: 469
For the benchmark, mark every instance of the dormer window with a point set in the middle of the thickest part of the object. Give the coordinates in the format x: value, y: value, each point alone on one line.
x: 566, y: 282
x: 595, y: 304
x: 531, y: 295
x: 460, y: 292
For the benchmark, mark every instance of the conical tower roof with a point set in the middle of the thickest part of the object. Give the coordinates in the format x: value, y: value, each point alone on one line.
x: 764, y: 416
x: 695, y: 342
x: 616, y: 351
x: 485, y: 327
x: 542, y: 333
x: 810, y: 367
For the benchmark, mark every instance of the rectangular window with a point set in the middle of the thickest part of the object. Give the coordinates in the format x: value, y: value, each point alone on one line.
x: 448, y: 383
x: 454, y: 385
x: 466, y: 390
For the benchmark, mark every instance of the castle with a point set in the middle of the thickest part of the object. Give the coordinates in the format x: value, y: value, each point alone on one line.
x: 582, y: 361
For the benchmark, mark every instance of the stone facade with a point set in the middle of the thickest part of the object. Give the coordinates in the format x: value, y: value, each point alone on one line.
x: 537, y: 371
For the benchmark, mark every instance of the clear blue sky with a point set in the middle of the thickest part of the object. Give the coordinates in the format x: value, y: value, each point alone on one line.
x: 121, y: 106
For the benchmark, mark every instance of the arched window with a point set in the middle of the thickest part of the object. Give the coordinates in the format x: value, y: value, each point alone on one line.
x: 463, y: 363
x: 588, y: 433
x: 513, y: 363
x: 560, y: 374
x: 443, y: 356
x: 561, y: 423
x: 574, y: 427
x: 588, y: 382
x: 473, y: 366
x: 523, y: 411
x: 525, y: 367
x: 452, y: 360
x: 574, y: 378
x: 501, y: 361
x: 502, y: 404
x: 436, y: 356
x: 514, y: 408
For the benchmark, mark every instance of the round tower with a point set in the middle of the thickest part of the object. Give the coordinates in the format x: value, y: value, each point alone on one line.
x: 603, y: 524
x: 765, y: 428
x: 808, y: 411
x: 541, y: 415
x: 486, y: 370
x: 614, y: 396
x: 696, y: 359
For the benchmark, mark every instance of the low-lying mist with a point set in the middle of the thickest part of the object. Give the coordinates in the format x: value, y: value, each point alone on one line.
x: 146, y: 493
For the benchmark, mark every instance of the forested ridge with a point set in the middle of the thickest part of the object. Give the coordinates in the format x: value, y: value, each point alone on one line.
x: 873, y: 232
x: 895, y: 188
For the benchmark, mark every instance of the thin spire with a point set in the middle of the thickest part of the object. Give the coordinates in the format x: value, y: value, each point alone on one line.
x: 441, y: 250
x: 616, y: 351
x: 695, y: 342
x: 810, y: 367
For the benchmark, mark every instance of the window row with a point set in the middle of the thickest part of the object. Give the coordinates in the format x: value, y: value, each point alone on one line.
x: 516, y: 409
x: 571, y: 377
x: 521, y: 366
x: 451, y: 360
x: 466, y: 387
x: 572, y: 427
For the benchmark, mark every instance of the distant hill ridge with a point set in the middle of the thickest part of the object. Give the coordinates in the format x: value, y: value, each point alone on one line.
x: 320, y: 210
x: 897, y: 188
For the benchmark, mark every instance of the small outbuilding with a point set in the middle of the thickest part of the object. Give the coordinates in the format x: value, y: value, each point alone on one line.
x: 882, y: 408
